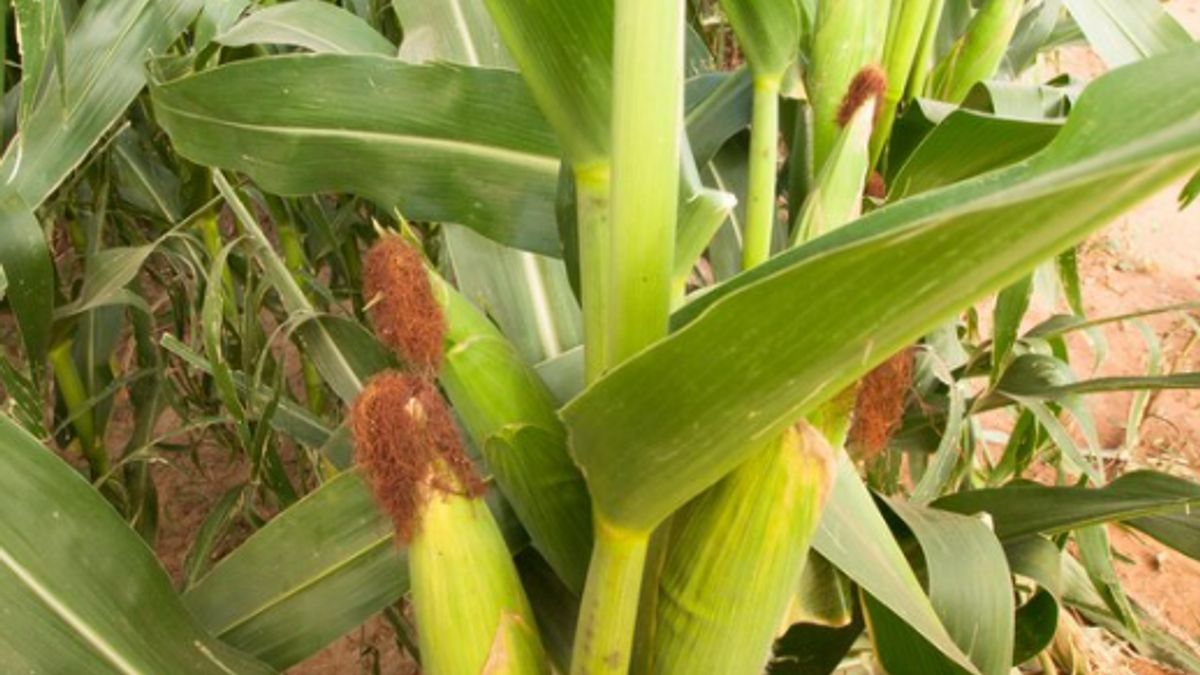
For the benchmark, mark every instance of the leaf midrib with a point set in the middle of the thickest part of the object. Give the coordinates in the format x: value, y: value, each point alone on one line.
x: 539, y: 163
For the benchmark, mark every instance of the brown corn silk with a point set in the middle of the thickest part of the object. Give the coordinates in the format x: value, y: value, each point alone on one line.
x: 880, y: 405
x: 406, y: 440
x: 869, y: 83
x: 406, y: 316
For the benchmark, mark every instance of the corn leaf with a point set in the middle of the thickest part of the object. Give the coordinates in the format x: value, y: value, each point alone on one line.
x: 768, y: 32
x: 76, y: 581
x: 964, y: 144
x: 970, y: 588
x: 457, y: 30
x: 1123, y: 31
x: 40, y: 36
x: 671, y: 421
x: 1023, y: 509
x: 216, y: 17
x: 529, y: 296
x: 104, y: 69
x: 26, y: 260
x: 479, y: 153
x: 310, y: 575
x: 311, y: 24
x: 855, y: 538
x: 566, y: 58
x: 313, y: 573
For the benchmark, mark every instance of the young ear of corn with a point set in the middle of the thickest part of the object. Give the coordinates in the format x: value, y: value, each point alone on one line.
x: 508, y: 411
x: 735, y: 557
x: 977, y: 54
x: 462, y: 577
x: 836, y: 196
x: 736, y: 553
x: 850, y: 35
x: 502, y: 403
x: 471, y: 612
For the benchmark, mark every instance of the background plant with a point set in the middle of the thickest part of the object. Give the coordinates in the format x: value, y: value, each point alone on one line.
x: 190, y: 187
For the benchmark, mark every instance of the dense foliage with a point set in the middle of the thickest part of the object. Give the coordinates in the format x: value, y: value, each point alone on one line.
x: 695, y: 286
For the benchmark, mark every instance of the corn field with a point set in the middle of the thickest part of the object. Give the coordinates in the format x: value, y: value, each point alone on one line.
x: 672, y: 337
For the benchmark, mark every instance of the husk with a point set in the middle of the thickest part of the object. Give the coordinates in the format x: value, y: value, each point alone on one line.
x: 510, y: 414
x: 470, y: 608
x: 735, y: 558
x: 977, y: 54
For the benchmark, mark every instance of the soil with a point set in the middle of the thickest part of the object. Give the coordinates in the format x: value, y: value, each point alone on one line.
x: 1149, y: 258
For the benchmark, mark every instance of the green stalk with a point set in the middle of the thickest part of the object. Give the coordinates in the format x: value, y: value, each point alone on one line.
x: 74, y: 396
x: 647, y: 119
x: 905, y: 29
x: 923, y: 62
x: 977, y: 54
x: 592, y: 186
x: 736, y: 556
x: 764, y: 157
x: 608, y: 613
x: 294, y: 259
x: 648, y: 73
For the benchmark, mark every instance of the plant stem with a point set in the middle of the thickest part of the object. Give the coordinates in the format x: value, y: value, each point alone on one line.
x: 75, y: 397
x: 608, y: 611
x: 592, y: 184
x: 923, y: 61
x: 647, y: 120
x: 764, y: 152
x: 647, y: 128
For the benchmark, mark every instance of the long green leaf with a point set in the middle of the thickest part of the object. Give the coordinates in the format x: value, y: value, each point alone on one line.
x: 458, y: 30
x: 529, y: 296
x: 965, y: 144
x: 1123, y: 31
x: 855, y: 538
x: 41, y: 38
x: 314, y: 573
x: 318, y: 570
x: 104, y: 70
x: 969, y: 586
x: 476, y: 153
x: 311, y: 24
x: 1023, y: 509
x: 80, y: 591
x: 26, y: 261
x: 674, y: 419
x: 768, y: 31
x: 566, y: 57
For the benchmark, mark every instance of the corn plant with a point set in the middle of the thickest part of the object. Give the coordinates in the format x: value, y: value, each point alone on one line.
x: 599, y: 336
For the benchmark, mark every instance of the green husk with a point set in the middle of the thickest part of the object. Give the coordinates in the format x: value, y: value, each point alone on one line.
x: 510, y: 415
x: 906, y: 26
x: 735, y: 559
x: 977, y: 54
x: 850, y: 34
x: 836, y: 196
x: 471, y: 611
